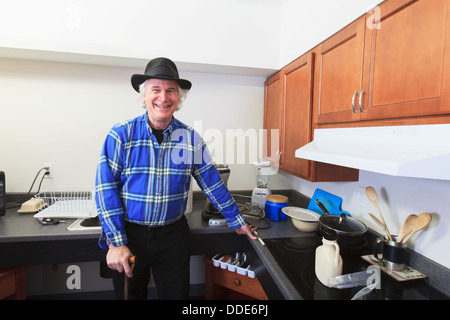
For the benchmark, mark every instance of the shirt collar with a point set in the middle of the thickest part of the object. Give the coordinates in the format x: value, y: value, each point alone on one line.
x: 168, y: 130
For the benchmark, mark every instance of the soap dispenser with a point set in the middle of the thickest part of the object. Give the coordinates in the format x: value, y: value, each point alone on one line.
x: 328, y: 258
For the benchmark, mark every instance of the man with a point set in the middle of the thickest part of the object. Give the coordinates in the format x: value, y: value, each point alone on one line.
x: 142, y: 183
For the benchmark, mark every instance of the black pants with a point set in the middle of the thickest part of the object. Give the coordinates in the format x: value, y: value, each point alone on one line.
x: 163, y: 251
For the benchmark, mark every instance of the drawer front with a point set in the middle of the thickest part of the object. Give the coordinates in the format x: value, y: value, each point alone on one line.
x: 240, y: 283
x: 7, y: 285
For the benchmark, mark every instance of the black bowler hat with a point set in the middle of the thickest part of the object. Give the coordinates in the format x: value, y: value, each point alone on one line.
x: 160, y: 68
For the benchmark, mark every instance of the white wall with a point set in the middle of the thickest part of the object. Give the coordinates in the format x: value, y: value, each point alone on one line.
x: 60, y: 113
x: 221, y: 32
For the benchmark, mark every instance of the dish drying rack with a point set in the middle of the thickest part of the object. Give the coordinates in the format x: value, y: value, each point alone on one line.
x: 66, y: 202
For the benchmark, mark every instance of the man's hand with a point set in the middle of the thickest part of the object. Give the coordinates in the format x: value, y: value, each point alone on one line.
x: 117, y: 259
x: 246, y: 230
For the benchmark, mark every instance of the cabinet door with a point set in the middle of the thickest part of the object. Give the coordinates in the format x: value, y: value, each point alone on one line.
x: 297, y: 114
x: 338, y: 75
x: 405, y: 63
x: 273, y: 111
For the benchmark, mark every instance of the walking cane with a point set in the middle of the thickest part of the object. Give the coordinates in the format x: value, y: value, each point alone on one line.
x: 131, y: 261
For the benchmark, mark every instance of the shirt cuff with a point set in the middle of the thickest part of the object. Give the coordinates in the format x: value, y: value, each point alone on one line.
x: 236, y: 222
x: 116, y: 239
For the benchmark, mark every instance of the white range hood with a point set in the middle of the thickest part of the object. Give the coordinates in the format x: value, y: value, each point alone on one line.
x: 421, y: 151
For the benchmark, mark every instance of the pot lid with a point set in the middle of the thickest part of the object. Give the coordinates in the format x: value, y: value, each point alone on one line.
x: 329, y: 234
x: 343, y: 223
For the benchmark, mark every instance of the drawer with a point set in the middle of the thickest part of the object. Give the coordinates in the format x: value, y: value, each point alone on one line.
x: 7, y: 284
x: 239, y: 283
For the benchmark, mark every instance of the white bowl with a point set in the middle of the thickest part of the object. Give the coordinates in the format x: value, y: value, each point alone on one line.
x: 303, y: 219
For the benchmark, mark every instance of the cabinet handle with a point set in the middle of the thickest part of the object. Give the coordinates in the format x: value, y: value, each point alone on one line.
x: 360, y: 103
x: 237, y: 282
x: 353, y: 101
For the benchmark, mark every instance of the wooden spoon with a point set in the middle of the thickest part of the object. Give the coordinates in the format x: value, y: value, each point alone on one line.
x: 407, y: 227
x: 379, y: 223
x: 373, y: 197
x: 421, y: 222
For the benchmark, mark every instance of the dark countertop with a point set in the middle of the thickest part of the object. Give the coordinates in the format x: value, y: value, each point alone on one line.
x: 21, y: 230
x: 22, y: 233
x: 20, y: 227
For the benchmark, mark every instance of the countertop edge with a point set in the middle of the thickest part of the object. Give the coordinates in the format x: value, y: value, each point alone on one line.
x: 278, y: 276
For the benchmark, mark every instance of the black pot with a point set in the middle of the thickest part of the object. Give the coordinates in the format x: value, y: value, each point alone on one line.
x: 349, y: 233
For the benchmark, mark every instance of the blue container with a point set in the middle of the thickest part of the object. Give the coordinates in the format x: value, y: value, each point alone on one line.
x: 273, y: 206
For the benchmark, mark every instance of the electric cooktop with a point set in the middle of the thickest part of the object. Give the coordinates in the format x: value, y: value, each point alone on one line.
x: 296, y: 257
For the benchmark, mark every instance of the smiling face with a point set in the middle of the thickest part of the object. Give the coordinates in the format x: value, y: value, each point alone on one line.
x: 161, y: 98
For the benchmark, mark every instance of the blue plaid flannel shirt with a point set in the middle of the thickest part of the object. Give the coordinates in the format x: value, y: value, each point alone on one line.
x: 143, y: 182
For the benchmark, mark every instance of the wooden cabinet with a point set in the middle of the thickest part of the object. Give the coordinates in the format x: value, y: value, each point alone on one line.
x: 395, y: 68
x: 13, y: 283
x: 273, y: 112
x: 405, y: 64
x: 338, y: 77
x: 297, y: 112
x: 221, y: 283
x: 389, y: 67
x: 288, y: 108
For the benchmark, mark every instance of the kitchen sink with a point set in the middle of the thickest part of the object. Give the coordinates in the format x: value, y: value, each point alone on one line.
x: 85, y: 224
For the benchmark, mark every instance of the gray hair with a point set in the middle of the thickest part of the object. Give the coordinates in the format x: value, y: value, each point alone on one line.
x: 182, y: 94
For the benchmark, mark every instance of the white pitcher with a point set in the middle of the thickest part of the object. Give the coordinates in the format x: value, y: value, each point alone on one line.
x: 328, y: 261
